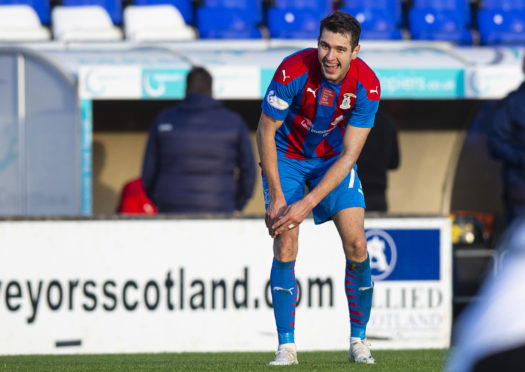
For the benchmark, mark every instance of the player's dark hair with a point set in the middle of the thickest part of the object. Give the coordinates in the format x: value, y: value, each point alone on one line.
x: 199, y: 80
x: 342, y: 23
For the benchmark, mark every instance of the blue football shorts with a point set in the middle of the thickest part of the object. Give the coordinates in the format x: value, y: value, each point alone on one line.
x: 295, y: 175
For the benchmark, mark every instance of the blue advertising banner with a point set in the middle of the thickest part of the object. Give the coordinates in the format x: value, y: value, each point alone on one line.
x: 404, y: 254
x: 421, y: 83
x: 407, y: 82
x: 86, y: 140
x: 266, y: 78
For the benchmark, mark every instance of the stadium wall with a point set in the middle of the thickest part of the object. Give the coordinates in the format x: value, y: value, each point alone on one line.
x: 416, y: 187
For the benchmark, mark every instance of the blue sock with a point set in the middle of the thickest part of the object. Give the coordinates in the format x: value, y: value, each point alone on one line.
x: 284, y: 297
x: 359, y: 288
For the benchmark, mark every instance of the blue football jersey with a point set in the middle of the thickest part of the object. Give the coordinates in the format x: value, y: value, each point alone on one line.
x: 315, y: 111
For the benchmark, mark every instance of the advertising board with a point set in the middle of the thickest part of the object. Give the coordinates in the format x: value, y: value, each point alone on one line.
x: 124, y: 286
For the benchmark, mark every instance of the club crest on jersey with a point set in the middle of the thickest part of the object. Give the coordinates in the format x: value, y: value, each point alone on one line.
x: 346, y: 104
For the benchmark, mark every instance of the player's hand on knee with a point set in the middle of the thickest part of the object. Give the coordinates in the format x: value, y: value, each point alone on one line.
x: 276, y: 209
x: 293, y: 216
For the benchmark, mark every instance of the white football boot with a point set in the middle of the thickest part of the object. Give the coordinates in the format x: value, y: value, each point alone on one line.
x: 360, y: 352
x: 286, y: 355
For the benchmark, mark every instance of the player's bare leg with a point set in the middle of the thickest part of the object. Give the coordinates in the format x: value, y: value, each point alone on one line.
x: 358, y: 280
x: 284, y: 295
x: 285, y: 245
x: 350, y: 224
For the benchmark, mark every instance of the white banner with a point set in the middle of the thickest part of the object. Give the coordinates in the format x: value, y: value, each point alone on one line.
x: 124, y: 286
x: 110, y: 82
x: 493, y: 81
x: 232, y: 82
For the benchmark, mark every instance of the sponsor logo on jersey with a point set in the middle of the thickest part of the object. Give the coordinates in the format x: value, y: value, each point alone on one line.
x: 346, y: 104
x: 285, y: 76
x: 382, y: 252
x: 310, y: 127
x: 275, y: 101
x: 327, y: 97
x: 314, y: 92
x: 306, y: 123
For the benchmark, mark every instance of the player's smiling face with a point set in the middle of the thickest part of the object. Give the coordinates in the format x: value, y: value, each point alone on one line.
x: 335, y: 54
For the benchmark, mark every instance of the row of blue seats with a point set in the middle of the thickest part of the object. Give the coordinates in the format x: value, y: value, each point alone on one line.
x: 498, y: 21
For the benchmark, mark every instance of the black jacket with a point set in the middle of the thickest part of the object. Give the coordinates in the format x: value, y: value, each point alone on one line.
x: 199, y: 159
x: 507, y: 143
x: 380, y: 154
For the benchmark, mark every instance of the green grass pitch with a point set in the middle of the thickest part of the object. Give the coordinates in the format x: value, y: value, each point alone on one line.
x: 387, y: 360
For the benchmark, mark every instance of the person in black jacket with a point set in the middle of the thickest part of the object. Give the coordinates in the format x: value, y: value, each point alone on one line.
x: 506, y: 142
x: 199, y: 157
x: 380, y: 154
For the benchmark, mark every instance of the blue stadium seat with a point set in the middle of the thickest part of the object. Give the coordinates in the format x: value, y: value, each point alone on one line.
x: 222, y: 23
x: 461, y: 7
x: 446, y: 25
x: 503, y: 4
x: 376, y: 24
x: 185, y: 7
x: 501, y: 27
x: 293, y: 23
x: 392, y: 7
x: 376, y: 17
x: 325, y: 7
x: 41, y: 7
x: 113, y: 7
x: 253, y: 6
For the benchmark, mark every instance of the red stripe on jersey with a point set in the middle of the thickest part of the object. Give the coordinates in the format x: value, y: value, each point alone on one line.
x: 325, y: 150
x: 306, y: 113
x: 311, y: 89
x: 368, y: 78
x: 296, y: 138
x: 348, y: 92
x: 293, y: 66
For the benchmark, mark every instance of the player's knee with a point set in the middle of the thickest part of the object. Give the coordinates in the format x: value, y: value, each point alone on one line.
x: 355, y: 250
